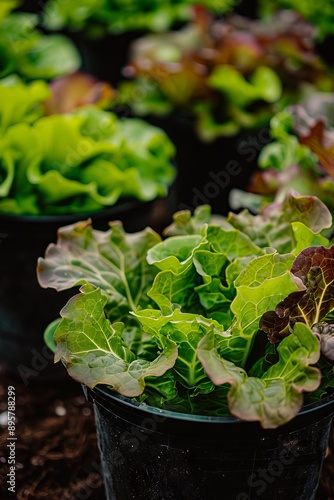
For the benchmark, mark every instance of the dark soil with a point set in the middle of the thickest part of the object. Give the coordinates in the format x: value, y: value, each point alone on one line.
x: 57, y: 455
x: 56, y: 449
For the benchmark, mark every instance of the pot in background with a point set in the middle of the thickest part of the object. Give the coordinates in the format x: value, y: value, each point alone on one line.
x: 208, y: 171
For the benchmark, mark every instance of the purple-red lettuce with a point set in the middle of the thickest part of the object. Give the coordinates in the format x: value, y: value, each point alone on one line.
x: 301, y: 156
x: 227, y: 75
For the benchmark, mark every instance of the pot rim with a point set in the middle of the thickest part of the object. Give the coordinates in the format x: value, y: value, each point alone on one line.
x: 118, y: 208
x: 106, y: 394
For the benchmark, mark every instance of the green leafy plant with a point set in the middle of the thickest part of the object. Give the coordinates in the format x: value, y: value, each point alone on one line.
x: 81, y: 162
x: 97, y: 17
x: 301, y: 156
x: 225, y: 75
x: 177, y: 323
x: 21, y: 103
x: 320, y: 13
x: 24, y: 50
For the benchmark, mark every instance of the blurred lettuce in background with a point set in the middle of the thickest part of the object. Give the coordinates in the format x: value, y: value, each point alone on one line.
x: 319, y: 13
x: 225, y: 75
x: 98, y: 17
x: 301, y: 156
x: 21, y: 102
x: 28, y: 52
x: 75, y: 162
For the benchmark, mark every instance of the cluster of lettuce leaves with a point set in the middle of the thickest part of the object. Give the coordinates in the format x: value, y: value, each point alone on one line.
x: 301, y: 156
x: 98, y: 17
x: 225, y: 75
x: 187, y: 323
x: 26, y: 51
x: 320, y: 13
x: 75, y: 162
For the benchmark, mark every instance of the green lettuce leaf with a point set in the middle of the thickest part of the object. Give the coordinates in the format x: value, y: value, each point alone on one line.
x: 19, y: 102
x: 7, y: 6
x: 82, y: 162
x: 113, y: 260
x: 253, y: 300
x: 272, y: 227
x: 24, y: 50
x: 264, y: 85
x: 192, y: 307
x: 276, y: 397
x: 94, y: 350
x: 98, y: 16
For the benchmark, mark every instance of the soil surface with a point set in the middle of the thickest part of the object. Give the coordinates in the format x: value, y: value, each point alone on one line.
x: 56, y: 450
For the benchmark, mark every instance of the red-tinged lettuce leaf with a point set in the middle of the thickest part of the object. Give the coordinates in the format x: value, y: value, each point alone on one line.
x: 252, y: 301
x: 320, y: 14
x: 228, y: 75
x: 314, y: 267
x: 95, y: 352
x: 277, y: 396
x: 316, y: 141
x: 273, y: 226
x: 300, y: 158
x: 112, y: 260
x: 77, y: 90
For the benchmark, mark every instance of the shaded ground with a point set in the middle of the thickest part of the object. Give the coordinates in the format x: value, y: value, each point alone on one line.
x: 56, y: 449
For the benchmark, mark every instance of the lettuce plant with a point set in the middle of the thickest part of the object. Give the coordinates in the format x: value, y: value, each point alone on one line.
x: 97, y: 17
x: 320, y: 13
x: 21, y: 103
x: 81, y: 162
x: 26, y: 102
x: 181, y: 323
x: 24, y: 50
x: 226, y: 75
x: 76, y: 90
x: 300, y: 157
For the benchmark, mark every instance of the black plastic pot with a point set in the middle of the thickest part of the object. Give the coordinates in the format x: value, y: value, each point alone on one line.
x: 149, y: 453
x: 104, y: 57
x: 25, y: 308
x: 208, y: 171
